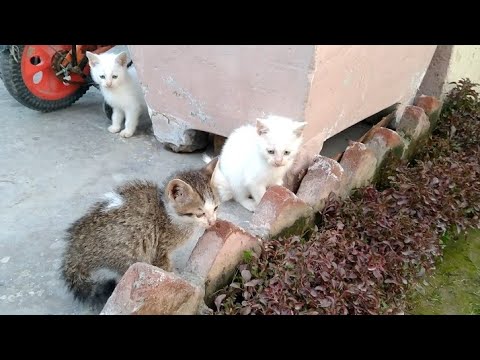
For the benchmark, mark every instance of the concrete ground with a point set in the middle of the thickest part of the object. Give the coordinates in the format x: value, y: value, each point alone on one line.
x: 52, y: 168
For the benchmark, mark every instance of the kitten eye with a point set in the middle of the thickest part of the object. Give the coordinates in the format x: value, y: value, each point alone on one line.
x: 188, y: 214
x: 114, y: 76
x: 286, y: 152
x: 200, y: 215
x: 102, y: 76
x: 216, y: 207
x: 271, y: 152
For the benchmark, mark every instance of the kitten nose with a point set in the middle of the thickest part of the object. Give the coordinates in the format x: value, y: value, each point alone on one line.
x: 211, y: 221
x: 278, y: 162
x: 109, y: 83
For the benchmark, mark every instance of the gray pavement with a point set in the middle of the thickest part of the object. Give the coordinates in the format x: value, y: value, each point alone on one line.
x: 52, y: 168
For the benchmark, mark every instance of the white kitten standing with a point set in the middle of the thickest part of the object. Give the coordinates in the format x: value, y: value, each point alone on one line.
x: 256, y: 157
x: 120, y: 88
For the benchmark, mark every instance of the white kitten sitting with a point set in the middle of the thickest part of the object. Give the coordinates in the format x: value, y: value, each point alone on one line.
x: 256, y: 157
x: 120, y: 88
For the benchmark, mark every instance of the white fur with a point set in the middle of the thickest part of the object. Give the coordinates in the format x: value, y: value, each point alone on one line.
x: 114, y: 199
x: 123, y: 93
x: 190, y: 223
x: 246, y: 168
x: 184, y: 223
x: 206, y: 158
x: 104, y: 274
x: 210, y: 213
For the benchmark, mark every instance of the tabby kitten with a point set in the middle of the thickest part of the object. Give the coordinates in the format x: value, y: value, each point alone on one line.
x: 138, y: 222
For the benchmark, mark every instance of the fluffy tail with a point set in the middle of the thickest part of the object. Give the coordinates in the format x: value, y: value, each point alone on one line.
x: 85, y: 289
x: 219, y: 181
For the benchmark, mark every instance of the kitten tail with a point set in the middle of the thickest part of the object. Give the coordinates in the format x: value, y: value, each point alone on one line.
x: 83, y: 288
x: 219, y: 181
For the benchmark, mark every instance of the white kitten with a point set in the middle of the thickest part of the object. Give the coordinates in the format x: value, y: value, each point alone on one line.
x: 120, y: 88
x: 256, y: 157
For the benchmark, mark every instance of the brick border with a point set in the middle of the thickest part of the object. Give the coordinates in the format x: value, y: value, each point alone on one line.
x: 145, y: 289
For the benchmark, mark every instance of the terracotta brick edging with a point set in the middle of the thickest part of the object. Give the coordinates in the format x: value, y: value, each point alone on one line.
x: 146, y: 289
x: 217, y: 254
x: 280, y: 210
x: 396, y: 136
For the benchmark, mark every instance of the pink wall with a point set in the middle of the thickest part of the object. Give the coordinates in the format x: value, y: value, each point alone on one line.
x: 351, y: 83
x: 218, y: 88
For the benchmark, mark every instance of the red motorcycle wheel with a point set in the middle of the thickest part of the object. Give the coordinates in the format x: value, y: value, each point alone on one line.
x: 29, y: 76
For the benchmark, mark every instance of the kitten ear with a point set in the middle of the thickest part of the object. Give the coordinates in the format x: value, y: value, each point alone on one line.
x: 262, y: 129
x: 210, y: 168
x: 121, y: 59
x: 92, y: 58
x: 179, y: 191
x: 298, y: 128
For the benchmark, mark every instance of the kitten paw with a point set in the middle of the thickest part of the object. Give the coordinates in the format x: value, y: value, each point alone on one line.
x: 113, y: 129
x: 125, y: 133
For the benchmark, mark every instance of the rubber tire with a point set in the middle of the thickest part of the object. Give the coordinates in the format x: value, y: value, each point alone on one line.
x: 13, y: 80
